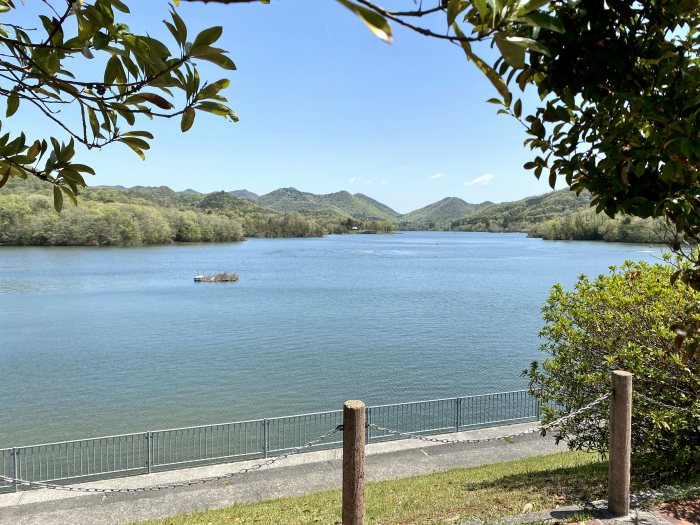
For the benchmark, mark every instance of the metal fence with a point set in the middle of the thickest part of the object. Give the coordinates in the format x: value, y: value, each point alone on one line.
x: 145, y: 452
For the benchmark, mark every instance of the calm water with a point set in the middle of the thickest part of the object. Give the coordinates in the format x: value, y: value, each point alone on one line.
x: 104, y: 341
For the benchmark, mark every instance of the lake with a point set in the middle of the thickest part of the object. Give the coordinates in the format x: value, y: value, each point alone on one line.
x: 97, y: 341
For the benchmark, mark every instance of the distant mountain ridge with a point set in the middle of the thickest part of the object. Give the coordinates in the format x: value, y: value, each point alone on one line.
x: 523, y: 214
x: 442, y: 212
x: 343, y: 203
x: 245, y: 194
x: 450, y: 213
x: 155, y: 214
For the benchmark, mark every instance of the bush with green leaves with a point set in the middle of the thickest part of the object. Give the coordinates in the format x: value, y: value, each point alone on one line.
x: 630, y: 319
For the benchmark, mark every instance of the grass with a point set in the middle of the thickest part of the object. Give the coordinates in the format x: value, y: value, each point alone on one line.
x: 444, y: 498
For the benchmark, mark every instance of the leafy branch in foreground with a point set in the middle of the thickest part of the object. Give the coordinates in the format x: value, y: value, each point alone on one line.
x: 47, y: 69
x: 618, y: 82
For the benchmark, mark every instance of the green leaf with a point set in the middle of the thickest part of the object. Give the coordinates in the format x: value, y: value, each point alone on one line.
x: 513, y: 54
x: 154, y: 99
x: 490, y: 73
x: 94, y: 124
x: 120, y: 6
x: 100, y: 40
x: 136, y: 149
x: 12, y: 103
x: 207, y: 37
x: 84, y: 168
x: 212, y: 89
x: 217, y: 109
x: 187, y: 119
x: 454, y: 8
x: 145, y: 134
x: 135, y: 141
x: 526, y: 6
x: 220, y: 60
x: 34, y: 150
x: 541, y: 20
x: 126, y: 113
x: 517, y: 108
x: 57, y: 199
x: 181, y: 28
x: 495, y: 6
x: 528, y: 43
x: 482, y: 8
x: 373, y: 20
x: 113, y: 71
x: 70, y: 195
x: 86, y: 51
x: 73, y: 176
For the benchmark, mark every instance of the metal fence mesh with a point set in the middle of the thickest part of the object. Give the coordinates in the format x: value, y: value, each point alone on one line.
x: 89, y: 459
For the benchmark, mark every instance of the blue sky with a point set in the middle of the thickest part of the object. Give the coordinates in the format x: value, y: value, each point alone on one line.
x: 325, y: 106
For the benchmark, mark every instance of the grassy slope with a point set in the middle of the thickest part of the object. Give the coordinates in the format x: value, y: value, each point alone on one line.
x: 482, y: 492
x: 445, y: 498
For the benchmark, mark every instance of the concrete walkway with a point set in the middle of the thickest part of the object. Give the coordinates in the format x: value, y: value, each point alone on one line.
x: 293, y: 476
x: 301, y: 474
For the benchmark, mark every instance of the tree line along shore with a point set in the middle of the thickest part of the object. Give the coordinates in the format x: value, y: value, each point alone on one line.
x: 116, y: 216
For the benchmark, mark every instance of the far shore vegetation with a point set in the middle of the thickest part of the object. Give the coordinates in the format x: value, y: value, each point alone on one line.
x: 116, y: 216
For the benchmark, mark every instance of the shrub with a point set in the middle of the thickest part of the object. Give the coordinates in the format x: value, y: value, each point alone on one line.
x: 622, y: 320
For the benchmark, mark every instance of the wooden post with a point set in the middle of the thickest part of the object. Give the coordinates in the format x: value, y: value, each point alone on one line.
x: 620, y: 444
x: 353, y: 463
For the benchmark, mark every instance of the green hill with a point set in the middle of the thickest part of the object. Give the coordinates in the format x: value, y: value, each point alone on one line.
x: 378, y: 205
x: 114, y: 215
x: 438, y: 215
x: 341, y: 203
x: 226, y: 202
x: 562, y: 215
x: 245, y: 194
x: 522, y: 215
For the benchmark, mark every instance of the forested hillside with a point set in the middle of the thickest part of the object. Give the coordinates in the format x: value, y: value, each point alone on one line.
x: 586, y: 225
x: 439, y: 215
x: 117, y: 216
x: 342, y: 203
x: 562, y: 215
x: 523, y: 214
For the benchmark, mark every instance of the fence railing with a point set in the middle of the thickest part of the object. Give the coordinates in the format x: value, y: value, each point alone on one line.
x: 159, y: 450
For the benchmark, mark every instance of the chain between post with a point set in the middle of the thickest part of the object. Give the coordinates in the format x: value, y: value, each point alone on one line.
x: 199, y: 481
x: 514, y: 435
x: 321, y: 438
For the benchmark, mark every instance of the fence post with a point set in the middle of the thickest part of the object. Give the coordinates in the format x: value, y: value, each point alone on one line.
x: 149, y: 452
x: 368, y: 431
x: 14, y: 467
x: 458, y: 413
x: 620, y: 444
x: 266, y: 437
x: 353, y: 463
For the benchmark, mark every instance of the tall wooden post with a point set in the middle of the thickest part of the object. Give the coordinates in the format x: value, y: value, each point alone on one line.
x: 353, y: 463
x: 620, y: 444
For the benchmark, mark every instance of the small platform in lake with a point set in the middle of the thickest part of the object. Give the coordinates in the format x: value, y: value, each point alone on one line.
x: 217, y: 278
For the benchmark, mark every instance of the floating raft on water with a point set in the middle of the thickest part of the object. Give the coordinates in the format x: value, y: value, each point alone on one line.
x: 216, y: 278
